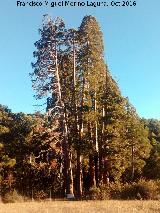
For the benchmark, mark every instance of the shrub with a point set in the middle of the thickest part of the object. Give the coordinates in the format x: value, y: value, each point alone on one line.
x: 40, y: 195
x: 100, y: 193
x: 143, y: 190
x: 94, y: 193
x: 12, y: 197
x: 104, y: 192
x: 115, y: 190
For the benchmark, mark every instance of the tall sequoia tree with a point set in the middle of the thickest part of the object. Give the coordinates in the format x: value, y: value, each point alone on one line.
x: 92, y: 75
x: 47, y: 80
x: 76, y: 127
x: 112, y: 121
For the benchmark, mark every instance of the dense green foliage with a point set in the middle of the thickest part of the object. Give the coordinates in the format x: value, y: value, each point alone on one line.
x: 89, y: 136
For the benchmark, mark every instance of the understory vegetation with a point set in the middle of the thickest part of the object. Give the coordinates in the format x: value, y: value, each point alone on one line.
x: 90, y: 143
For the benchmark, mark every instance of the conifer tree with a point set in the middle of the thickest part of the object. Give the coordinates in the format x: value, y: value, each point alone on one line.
x: 152, y: 167
x: 76, y: 126
x: 113, y: 119
x: 92, y: 72
x: 138, y: 146
x: 47, y: 79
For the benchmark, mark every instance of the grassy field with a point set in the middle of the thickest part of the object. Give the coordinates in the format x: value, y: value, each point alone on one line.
x: 82, y: 207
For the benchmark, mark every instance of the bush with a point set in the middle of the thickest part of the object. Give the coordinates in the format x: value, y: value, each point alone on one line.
x: 99, y: 193
x: 40, y: 195
x: 94, y: 193
x: 115, y: 190
x: 12, y: 197
x: 143, y: 190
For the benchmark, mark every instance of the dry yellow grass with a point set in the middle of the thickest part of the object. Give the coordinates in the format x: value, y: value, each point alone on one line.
x: 82, y: 207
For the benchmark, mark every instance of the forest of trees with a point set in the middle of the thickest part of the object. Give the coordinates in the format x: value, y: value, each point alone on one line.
x: 89, y: 136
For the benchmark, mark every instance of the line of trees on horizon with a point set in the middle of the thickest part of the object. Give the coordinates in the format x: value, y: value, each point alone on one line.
x: 90, y: 134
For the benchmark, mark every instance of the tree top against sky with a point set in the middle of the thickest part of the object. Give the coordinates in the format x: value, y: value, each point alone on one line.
x: 131, y: 37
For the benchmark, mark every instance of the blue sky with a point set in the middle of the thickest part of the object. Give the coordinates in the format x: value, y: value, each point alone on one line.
x: 132, y: 50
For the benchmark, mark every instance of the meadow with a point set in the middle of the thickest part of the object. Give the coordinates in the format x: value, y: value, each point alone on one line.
x: 109, y: 206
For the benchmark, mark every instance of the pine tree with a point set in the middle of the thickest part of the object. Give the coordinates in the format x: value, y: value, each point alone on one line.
x: 152, y: 167
x: 138, y: 146
x: 6, y: 158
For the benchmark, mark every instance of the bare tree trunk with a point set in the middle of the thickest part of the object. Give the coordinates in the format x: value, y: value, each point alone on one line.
x: 68, y: 176
x: 79, y: 157
x: 96, y: 156
x: 67, y: 159
x: 79, y: 128
x: 79, y: 163
x: 92, y: 179
x: 92, y: 171
x: 101, y: 163
x: 79, y: 174
x: 132, y: 163
x: 100, y: 167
